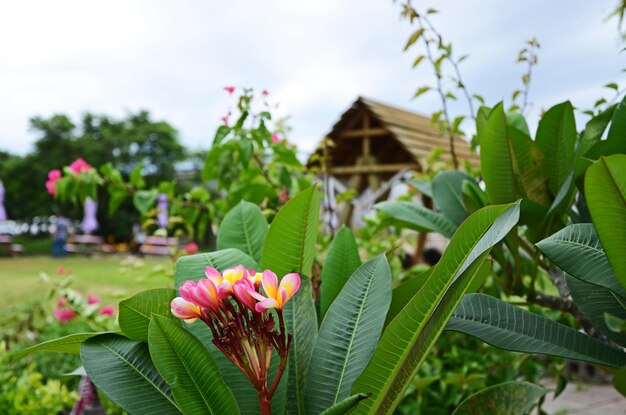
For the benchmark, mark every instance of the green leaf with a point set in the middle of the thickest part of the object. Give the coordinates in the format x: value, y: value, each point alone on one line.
x: 615, y: 142
x: 191, y: 267
x: 409, y: 337
x: 474, y: 197
x: 402, y: 294
x: 447, y: 189
x: 348, y: 335
x: 189, y: 369
x: 220, y: 134
x: 136, y: 178
x: 511, y: 398
x: 342, y: 260
x: 116, y: 197
x: 244, y: 227
x: 290, y: 242
x: 123, y: 370
x: 419, y: 218
x: 145, y: 199
x: 135, y: 311
x: 619, y: 381
x: 66, y: 344
x: 511, y: 328
x: 594, y: 302
x: 413, y: 38
x: 594, y: 130
x: 577, y: 250
x: 344, y: 407
x: 301, y: 322
x: 517, y: 120
x: 556, y: 137
x: 511, y: 163
x: 605, y: 190
x: 423, y: 187
x: 420, y: 91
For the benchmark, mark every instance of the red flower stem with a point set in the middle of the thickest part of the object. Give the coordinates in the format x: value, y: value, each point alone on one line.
x: 265, y: 403
x: 279, y: 373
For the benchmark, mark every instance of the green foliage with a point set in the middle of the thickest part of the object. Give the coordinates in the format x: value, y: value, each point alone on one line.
x: 409, y: 337
x: 417, y: 217
x: 512, y: 328
x: 447, y: 189
x: 512, y: 398
x: 188, y: 368
x: 244, y: 227
x: 289, y: 246
x: 605, y: 191
x: 348, y: 335
x: 136, y: 311
x: 341, y: 261
x: 23, y: 390
x: 68, y: 344
x: 123, y: 370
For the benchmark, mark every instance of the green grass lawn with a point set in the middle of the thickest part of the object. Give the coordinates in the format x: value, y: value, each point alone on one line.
x: 109, y: 277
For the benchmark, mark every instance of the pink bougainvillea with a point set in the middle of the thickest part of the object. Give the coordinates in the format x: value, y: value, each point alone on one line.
x: 229, y: 89
x: 80, y: 166
x: 53, y: 176
x: 108, y: 310
x: 191, y: 248
x: 92, y: 299
x: 64, y: 314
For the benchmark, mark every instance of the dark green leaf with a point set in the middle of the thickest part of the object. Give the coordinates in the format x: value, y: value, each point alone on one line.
x: 510, y: 398
x: 244, y: 227
x: 135, y: 311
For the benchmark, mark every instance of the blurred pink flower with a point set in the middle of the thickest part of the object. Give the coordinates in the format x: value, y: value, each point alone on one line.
x: 61, y: 302
x: 265, y: 93
x: 80, y: 166
x: 225, y: 120
x: 191, y: 248
x: 108, y: 310
x: 60, y: 270
x: 229, y: 89
x: 275, y: 138
x: 53, y: 176
x: 64, y: 314
x: 92, y: 299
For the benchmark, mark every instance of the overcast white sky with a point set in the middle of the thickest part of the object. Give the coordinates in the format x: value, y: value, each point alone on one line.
x: 315, y: 57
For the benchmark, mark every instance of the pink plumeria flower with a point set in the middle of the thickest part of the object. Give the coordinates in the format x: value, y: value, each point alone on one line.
x: 255, y: 277
x: 107, y: 310
x: 229, y: 89
x: 80, y: 166
x: 202, y: 293
x: 224, y: 281
x: 242, y: 289
x: 185, y: 310
x: 265, y: 93
x: 92, y: 299
x: 225, y: 120
x: 276, y: 138
x: 276, y: 295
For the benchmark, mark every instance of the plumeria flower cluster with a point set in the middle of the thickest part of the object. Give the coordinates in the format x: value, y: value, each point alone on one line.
x: 237, y: 305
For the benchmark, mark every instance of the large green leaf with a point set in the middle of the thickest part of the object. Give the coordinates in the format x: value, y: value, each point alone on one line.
x: 577, y: 250
x: 447, y: 190
x: 290, y: 242
x: 402, y: 294
x: 605, y: 190
x: 342, y: 260
x: 348, y: 335
x: 135, y: 311
x: 408, y: 338
x: 301, y: 322
x: 594, y: 130
x: 66, y: 344
x: 191, y: 267
x: 594, y: 301
x: 511, y: 163
x: 615, y: 142
x: 344, y: 407
x: 512, y: 328
x: 414, y: 216
x: 619, y: 381
x: 244, y: 227
x: 556, y: 137
x: 123, y: 370
x: 510, y: 398
x: 189, y: 369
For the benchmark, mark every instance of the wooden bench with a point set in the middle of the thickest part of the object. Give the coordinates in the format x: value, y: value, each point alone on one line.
x: 6, y: 244
x: 159, y: 245
x: 83, y: 243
